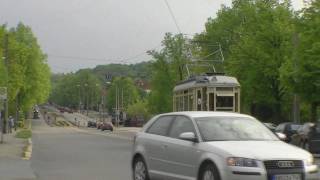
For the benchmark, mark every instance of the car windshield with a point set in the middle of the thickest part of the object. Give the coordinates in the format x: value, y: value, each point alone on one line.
x: 233, y: 129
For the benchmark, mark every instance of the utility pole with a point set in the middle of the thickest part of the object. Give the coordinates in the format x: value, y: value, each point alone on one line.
x: 78, y: 85
x: 6, y: 61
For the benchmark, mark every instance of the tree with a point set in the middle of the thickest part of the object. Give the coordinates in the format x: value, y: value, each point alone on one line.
x: 125, y: 89
x: 301, y: 74
x: 168, y: 68
x: 256, y: 39
x: 139, y: 109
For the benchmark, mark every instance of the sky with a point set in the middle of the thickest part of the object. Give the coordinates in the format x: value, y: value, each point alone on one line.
x: 79, y: 34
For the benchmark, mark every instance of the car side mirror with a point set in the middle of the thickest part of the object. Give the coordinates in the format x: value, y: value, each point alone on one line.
x: 188, y: 136
x: 281, y: 136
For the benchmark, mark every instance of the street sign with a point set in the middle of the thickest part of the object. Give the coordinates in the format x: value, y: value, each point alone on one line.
x: 3, y: 93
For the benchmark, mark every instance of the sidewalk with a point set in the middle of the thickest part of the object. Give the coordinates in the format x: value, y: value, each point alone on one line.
x: 12, y: 166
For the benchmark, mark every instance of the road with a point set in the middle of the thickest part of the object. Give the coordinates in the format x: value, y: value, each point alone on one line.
x: 72, y: 154
x: 79, y: 154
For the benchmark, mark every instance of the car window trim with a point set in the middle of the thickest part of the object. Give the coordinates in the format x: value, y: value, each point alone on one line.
x: 194, y: 128
x: 169, y: 127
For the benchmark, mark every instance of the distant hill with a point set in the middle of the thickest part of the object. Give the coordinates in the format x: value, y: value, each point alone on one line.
x: 139, y: 71
x: 135, y: 71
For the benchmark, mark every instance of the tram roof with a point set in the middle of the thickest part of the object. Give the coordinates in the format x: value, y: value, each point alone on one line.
x: 217, y: 80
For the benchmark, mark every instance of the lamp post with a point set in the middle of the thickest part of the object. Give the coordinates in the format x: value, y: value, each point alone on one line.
x: 87, y: 98
x: 78, y: 85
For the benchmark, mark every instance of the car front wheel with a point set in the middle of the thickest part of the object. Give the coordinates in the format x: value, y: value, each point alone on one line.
x: 209, y: 172
x: 140, y: 171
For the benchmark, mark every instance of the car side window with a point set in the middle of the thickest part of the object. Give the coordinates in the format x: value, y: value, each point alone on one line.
x: 161, y: 126
x: 180, y: 125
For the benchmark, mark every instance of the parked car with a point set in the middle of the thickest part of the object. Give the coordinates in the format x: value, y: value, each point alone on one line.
x: 314, y: 139
x: 106, y: 126
x: 134, y: 122
x: 271, y: 126
x: 99, y: 124
x: 216, y: 146
x: 308, y: 137
x: 288, y: 128
x: 92, y: 124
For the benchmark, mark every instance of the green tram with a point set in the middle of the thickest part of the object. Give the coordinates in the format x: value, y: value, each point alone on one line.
x: 208, y: 92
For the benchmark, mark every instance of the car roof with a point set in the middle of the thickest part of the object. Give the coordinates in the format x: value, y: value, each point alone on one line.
x: 198, y: 114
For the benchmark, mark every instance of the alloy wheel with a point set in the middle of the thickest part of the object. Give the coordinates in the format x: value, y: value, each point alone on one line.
x: 208, y: 175
x: 140, y: 171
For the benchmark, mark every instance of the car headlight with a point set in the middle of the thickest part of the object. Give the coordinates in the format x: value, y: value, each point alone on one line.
x: 309, y: 161
x: 242, y: 162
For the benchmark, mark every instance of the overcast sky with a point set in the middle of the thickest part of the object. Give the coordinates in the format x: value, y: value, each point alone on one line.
x: 84, y: 33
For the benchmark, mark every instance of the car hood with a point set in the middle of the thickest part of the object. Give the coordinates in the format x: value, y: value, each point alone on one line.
x: 261, y: 150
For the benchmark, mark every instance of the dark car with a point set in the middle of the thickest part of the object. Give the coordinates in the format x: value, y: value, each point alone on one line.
x: 35, y: 114
x: 92, y: 124
x: 314, y: 139
x: 288, y: 128
x: 308, y: 137
x: 106, y: 126
x: 134, y: 122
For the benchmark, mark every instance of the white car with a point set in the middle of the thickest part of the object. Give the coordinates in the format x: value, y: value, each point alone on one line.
x: 216, y: 146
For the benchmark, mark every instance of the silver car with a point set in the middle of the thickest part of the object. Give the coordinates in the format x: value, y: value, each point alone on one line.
x: 215, y: 146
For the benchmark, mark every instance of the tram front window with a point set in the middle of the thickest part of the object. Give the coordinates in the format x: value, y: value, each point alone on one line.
x: 224, y: 103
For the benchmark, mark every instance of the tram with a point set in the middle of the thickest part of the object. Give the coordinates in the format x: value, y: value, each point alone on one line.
x: 208, y: 92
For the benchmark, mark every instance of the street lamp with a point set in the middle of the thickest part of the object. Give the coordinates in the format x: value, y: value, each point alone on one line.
x: 78, y: 85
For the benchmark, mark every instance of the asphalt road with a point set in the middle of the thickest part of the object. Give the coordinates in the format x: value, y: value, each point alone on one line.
x: 79, y: 154
x: 71, y: 154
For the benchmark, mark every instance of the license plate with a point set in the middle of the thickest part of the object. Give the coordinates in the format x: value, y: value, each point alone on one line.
x: 287, y: 177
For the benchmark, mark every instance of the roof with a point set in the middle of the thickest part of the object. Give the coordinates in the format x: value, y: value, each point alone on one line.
x: 207, y: 81
x: 197, y: 114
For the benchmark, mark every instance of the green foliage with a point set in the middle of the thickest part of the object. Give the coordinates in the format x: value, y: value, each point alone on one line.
x: 70, y: 89
x: 301, y: 74
x: 140, y: 108
x: 24, y: 134
x: 28, y: 78
x: 256, y: 37
x: 127, y: 93
x: 168, y: 68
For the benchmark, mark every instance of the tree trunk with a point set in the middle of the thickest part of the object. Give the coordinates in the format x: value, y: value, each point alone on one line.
x: 313, y: 117
x: 277, y: 112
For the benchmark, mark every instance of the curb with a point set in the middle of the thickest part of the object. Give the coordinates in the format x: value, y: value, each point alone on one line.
x: 28, y: 150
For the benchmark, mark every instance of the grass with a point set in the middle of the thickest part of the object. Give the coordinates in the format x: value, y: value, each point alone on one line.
x: 24, y: 134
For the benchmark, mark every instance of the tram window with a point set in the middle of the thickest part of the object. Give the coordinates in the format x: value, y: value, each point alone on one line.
x: 224, y: 101
x: 204, y: 99
x: 190, y: 103
x: 236, y: 102
x: 211, y: 101
x: 199, y: 100
x: 177, y: 103
x: 181, y: 103
x: 185, y: 103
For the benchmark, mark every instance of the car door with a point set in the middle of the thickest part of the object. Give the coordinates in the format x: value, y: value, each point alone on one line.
x: 155, y: 143
x: 314, y: 140
x: 182, y: 155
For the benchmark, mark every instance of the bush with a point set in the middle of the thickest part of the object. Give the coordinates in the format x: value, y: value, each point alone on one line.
x: 24, y: 134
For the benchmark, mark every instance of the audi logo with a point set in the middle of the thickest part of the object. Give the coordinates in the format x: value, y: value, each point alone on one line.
x: 285, y: 164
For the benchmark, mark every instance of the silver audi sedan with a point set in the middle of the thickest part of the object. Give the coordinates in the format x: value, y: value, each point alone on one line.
x: 215, y: 146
